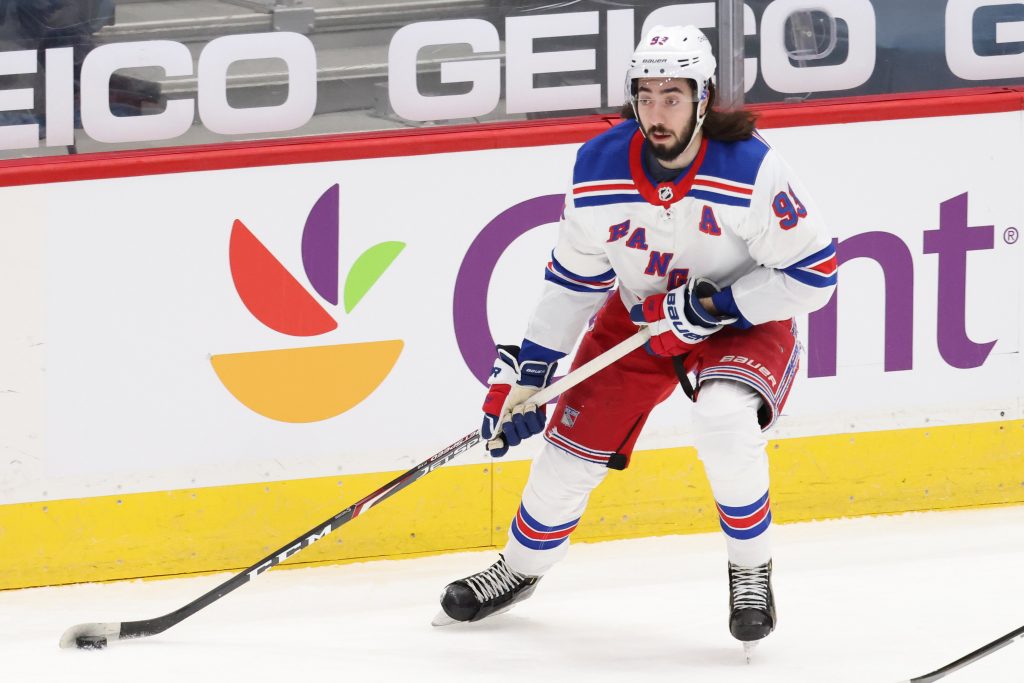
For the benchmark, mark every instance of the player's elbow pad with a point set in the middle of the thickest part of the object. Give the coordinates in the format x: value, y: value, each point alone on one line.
x: 819, y: 297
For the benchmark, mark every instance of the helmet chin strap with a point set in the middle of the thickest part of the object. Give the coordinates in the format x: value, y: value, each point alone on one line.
x: 698, y: 122
x: 636, y: 114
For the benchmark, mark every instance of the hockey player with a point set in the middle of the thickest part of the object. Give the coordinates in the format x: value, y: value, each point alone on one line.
x: 715, y: 245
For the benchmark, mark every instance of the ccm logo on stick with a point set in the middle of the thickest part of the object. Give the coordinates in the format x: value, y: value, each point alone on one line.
x: 289, y: 551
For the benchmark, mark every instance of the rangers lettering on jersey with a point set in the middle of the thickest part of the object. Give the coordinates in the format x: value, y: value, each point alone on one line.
x: 737, y: 216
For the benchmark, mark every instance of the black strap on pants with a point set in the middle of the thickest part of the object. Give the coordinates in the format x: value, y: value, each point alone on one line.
x: 684, y: 380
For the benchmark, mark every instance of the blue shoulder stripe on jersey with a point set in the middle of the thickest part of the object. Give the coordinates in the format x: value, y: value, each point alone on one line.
x: 801, y: 271
x: 820, y: 255
x: 605, y: 157
x: 533, y: 351
x: 605, y: 199
x: 738, y: 161
x: 562, y: 270
x: 574, y: 286
x: 718, y: 198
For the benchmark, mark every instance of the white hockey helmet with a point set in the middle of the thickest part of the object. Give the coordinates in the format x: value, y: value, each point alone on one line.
x: 673, y: 52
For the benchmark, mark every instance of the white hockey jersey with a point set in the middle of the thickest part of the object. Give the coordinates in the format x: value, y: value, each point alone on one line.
x: 737, y: 216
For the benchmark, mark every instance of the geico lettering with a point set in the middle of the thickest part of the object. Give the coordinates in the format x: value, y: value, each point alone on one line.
x: 175, y: 59
x: 781, y: 75
x: 101, y: 124
x: 25, y: 135
x: 299, y: 57
x: 960, y: 54
x: 523, y: 62
x: 484, y: 75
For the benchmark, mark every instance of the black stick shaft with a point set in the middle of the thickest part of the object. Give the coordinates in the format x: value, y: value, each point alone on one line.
x: 148, y: 627
x: 983, y: 651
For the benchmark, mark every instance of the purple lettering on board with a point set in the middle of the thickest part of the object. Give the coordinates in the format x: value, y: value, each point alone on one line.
x: 890, y: 252
x: 951, y: 242
x: 469, y: 308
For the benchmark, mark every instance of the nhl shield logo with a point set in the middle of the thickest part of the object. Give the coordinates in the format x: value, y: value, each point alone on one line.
x: 569, y: 416
x: 665, y: 193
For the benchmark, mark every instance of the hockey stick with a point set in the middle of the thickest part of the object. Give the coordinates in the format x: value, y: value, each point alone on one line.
x: 96, y: 635
x: 996, y: 644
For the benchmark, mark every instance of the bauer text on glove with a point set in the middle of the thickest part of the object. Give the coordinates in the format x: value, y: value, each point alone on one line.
x: 677, y: 319
x: 509, y: 416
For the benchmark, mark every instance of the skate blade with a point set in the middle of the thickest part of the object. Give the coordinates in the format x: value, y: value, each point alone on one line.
x: 748, y: 649
x: 442, y: 619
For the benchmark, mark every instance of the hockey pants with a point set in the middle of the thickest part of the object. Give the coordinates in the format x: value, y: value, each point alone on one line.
x: 731, y: 446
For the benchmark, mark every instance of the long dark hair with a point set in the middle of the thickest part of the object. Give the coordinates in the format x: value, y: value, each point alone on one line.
x: 727, y: 126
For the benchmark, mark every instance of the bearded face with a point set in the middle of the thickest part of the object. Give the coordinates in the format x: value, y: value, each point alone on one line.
x: 666, y: 111
x: 667, y: 144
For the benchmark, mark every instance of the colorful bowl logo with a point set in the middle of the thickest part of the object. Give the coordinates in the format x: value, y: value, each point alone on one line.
x: 314, y: 383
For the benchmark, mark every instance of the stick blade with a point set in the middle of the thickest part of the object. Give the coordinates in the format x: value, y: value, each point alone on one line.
x: 91, y: 636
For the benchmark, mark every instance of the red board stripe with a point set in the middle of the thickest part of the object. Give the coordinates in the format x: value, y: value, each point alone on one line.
x: 438, y: 140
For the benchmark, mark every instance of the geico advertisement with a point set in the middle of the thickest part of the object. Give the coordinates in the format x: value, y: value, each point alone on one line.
x: 538, y: 58
x: 514, y: 61
x: 333, y: 318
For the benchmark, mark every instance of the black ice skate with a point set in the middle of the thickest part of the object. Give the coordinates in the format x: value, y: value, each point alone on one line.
x: 751, y: 604
x: 476, y: 597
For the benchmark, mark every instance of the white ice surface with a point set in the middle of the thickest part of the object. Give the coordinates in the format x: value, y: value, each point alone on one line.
x: 871, y: 599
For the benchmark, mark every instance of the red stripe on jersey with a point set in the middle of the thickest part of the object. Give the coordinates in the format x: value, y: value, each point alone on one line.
x: 723, y: 186
x: 603, y: 188
x: 826, y: 267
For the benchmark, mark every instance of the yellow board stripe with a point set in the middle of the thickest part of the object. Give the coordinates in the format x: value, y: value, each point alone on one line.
x: 469, y: 506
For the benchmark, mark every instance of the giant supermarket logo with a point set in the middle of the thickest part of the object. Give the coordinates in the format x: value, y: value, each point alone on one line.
x: 951, y: 242
x: 305, y: 384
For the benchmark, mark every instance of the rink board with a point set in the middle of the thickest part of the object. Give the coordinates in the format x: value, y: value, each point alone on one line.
x: 469, y: 506
x: 147, y: 422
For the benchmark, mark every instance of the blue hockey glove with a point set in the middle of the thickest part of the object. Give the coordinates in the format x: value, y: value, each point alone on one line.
x: 677, y: 319
x: 509, y: 417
